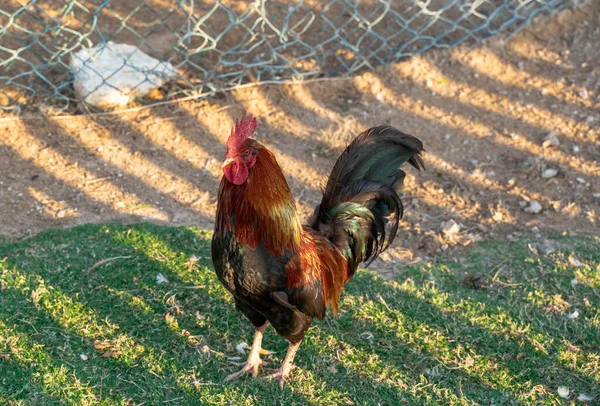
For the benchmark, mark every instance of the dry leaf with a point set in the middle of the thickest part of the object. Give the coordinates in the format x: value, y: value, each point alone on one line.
x: 110, y: 354
x: 107, y: 354
x: 101, y: 345
x: 171, y: 320
x: 105, y: 347
x: 575, y: 262
x: 175, y: 307
x: 4, y: 356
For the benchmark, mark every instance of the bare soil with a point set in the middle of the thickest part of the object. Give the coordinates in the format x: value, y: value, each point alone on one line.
x: 482, y: 111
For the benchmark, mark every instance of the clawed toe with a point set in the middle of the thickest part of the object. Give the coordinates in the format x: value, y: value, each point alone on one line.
x: 247, y: 367
x: 278, y: 376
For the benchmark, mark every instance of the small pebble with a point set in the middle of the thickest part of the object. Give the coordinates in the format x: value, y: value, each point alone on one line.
x: 549, y: 173
x: 585, y: 398
x: 551, y: 140
x: 450, y: 227
x: 534, y: 207
x: 240, y: 348
x: 563, y: 392
x: 160, y: 278
x: 432, y: 372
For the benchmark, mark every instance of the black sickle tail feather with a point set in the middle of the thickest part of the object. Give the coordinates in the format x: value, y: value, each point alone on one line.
x: 362, y: 192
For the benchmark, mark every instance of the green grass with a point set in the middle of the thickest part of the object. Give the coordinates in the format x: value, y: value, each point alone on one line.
x: 422, y: 339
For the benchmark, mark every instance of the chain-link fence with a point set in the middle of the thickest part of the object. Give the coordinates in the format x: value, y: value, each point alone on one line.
x: 207, y: 46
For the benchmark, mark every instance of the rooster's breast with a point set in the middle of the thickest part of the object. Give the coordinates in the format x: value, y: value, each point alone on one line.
x: 245, y: 271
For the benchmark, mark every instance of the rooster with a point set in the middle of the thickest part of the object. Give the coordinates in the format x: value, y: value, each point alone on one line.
x: 281, y: 272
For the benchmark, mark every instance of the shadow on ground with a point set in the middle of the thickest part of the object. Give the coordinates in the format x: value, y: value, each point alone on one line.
x: 84, y: 321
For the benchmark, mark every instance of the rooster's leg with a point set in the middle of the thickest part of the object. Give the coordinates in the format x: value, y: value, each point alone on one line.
x: 254, y: 361
x: 283, y: 372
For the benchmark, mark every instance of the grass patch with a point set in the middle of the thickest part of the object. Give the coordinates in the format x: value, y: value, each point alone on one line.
x: 83, y: 321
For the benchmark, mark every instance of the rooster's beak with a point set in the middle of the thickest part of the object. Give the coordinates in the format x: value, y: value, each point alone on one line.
x: 227, y: 161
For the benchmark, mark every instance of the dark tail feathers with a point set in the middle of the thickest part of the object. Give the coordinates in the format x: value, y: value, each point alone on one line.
x: 362, y: 191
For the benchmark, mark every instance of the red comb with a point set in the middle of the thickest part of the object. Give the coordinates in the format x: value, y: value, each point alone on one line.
x: 242, y: 130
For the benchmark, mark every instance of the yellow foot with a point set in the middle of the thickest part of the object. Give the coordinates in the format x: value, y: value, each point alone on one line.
x: 250, y: 366
x: 279, y: 376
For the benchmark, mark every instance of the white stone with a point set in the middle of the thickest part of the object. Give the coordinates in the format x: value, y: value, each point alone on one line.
x: 563, y: 392
x: 534, y: 207
x: 551, y: 140
x: 549, y: 173
x: 585, y: 398
x: 241, y: 347
x: 111, y: 75
x: 450, y: 227
x: 160, y: 279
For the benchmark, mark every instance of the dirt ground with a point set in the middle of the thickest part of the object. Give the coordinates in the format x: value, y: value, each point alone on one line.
x: 202, y: 41
x: 482, y: 111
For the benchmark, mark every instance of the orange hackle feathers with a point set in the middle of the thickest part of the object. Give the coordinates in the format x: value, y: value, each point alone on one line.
x: 319, y: 259
x: 240, y: 133
x: 259, y: 210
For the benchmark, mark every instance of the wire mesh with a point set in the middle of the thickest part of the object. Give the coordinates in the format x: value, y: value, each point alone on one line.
x: 211, y: 46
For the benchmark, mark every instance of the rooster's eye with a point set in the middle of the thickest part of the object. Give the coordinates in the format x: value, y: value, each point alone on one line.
x: 247, y: 152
